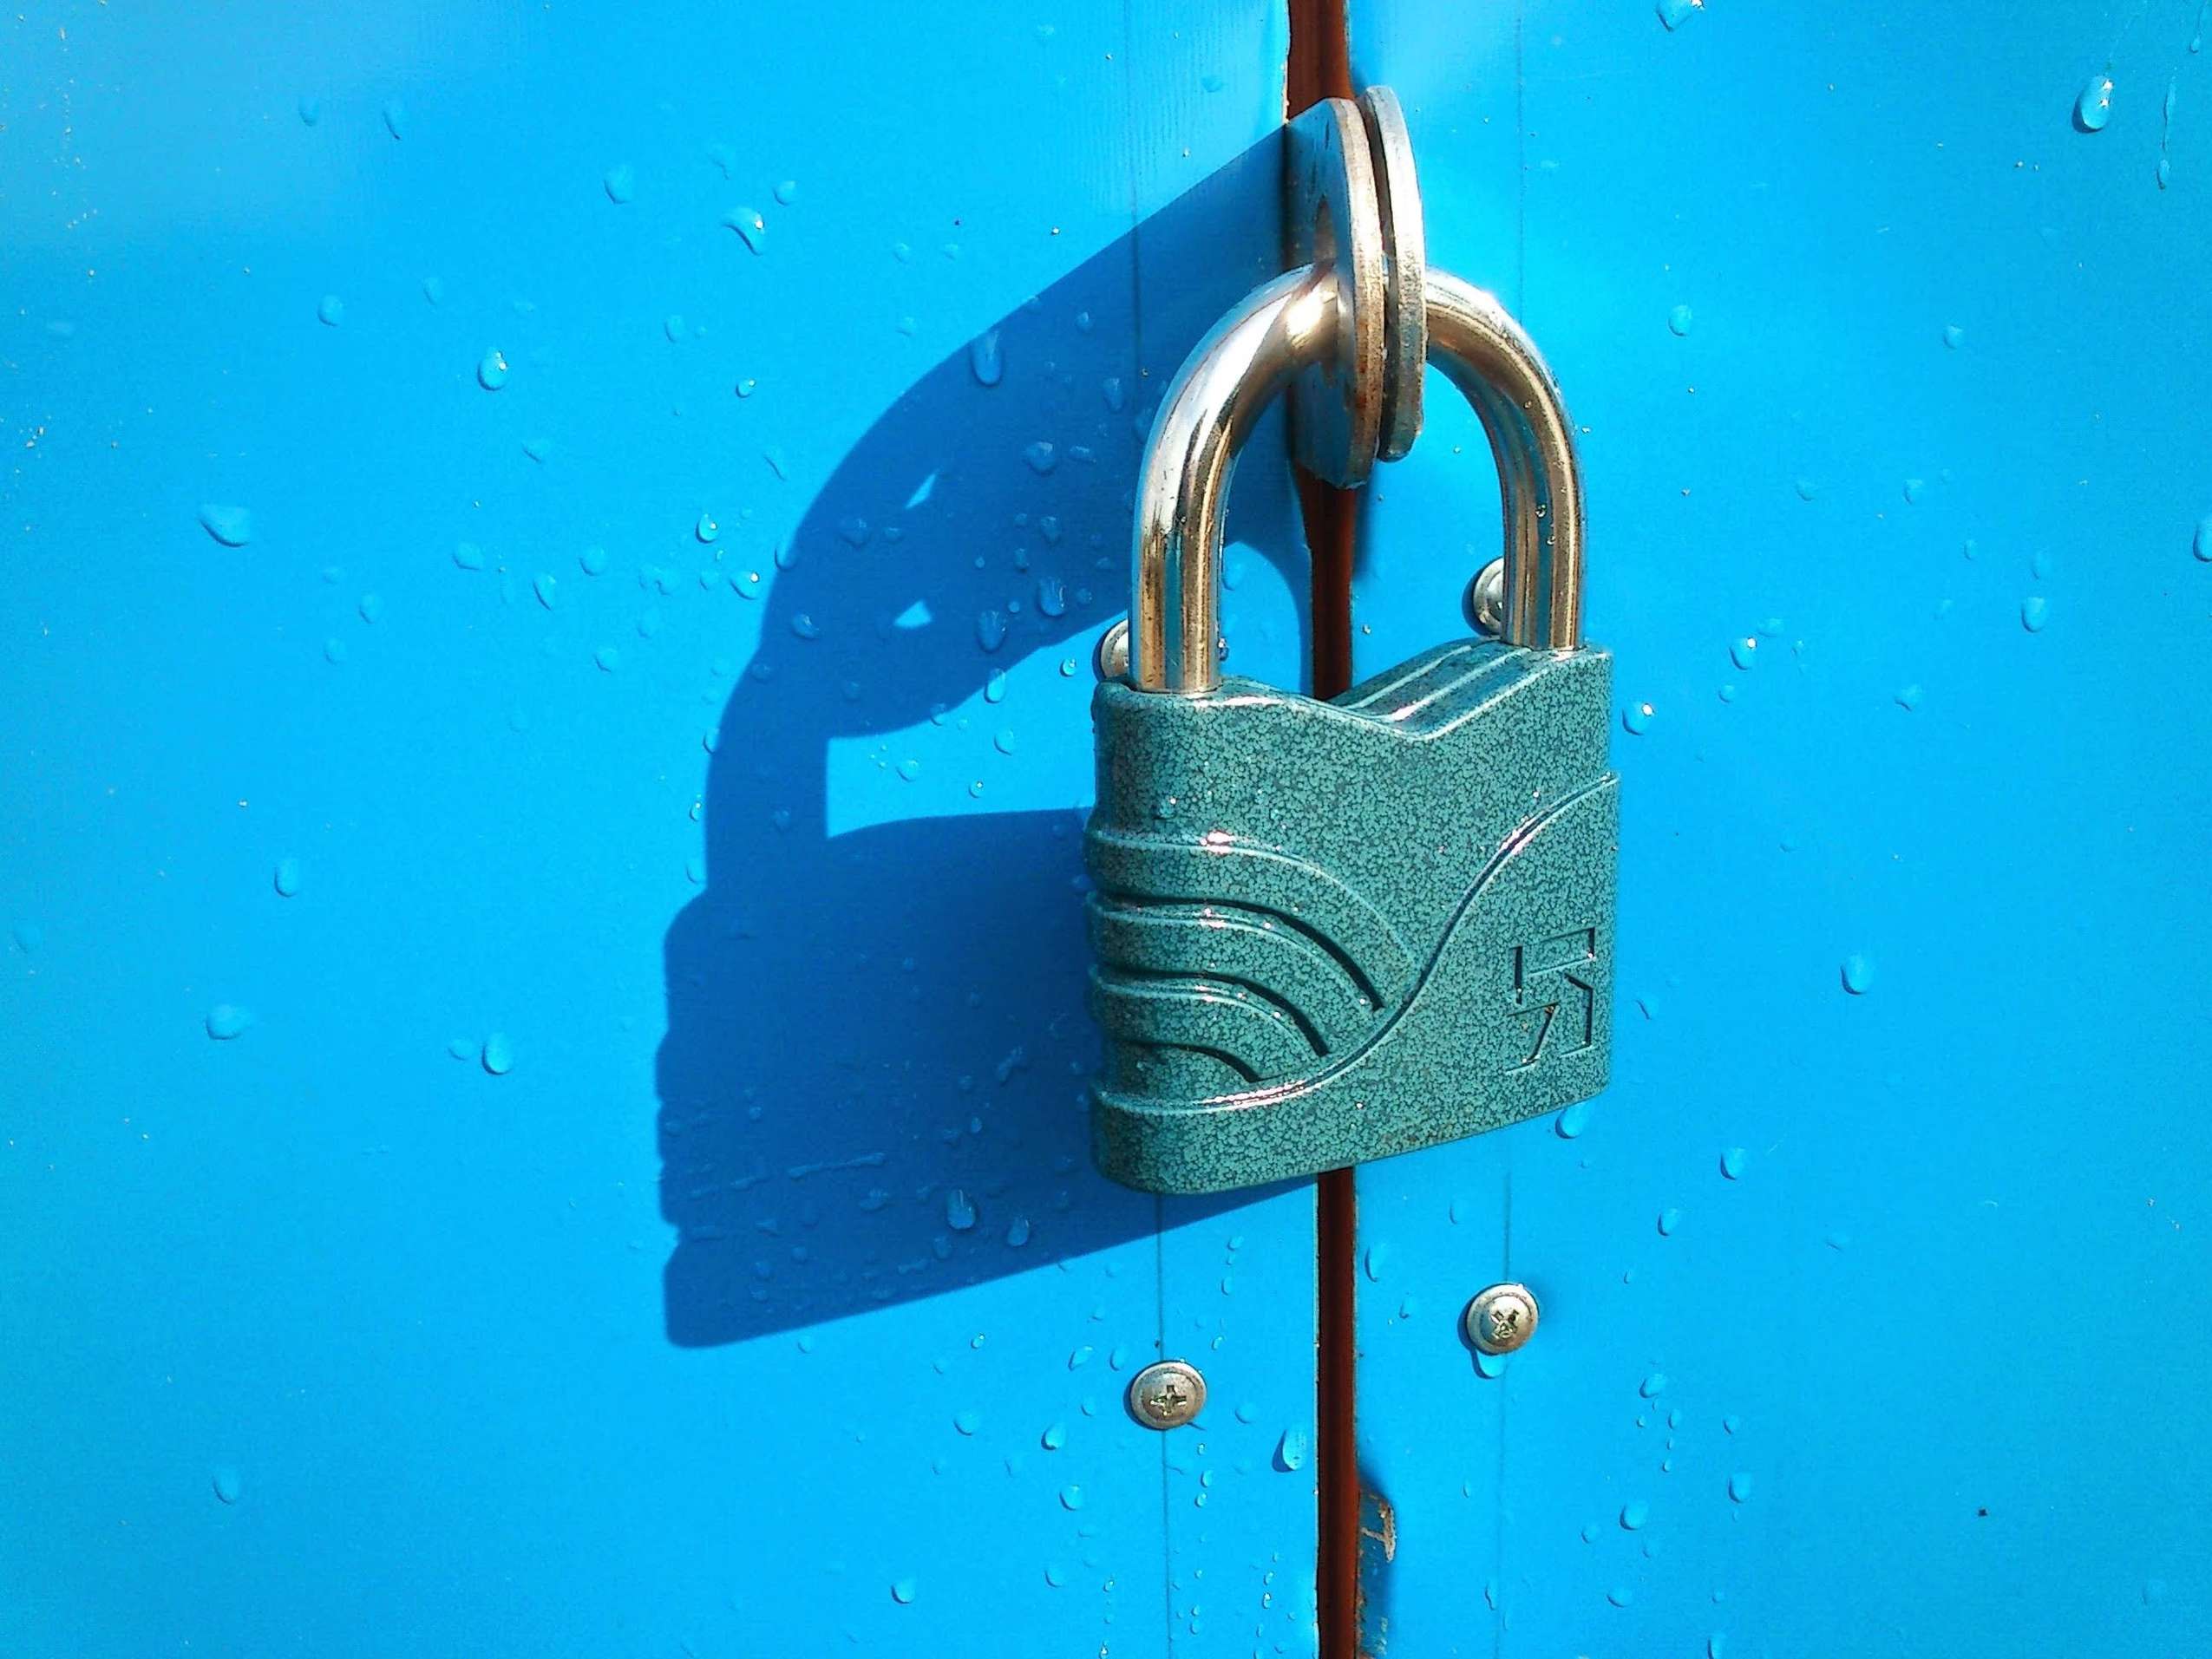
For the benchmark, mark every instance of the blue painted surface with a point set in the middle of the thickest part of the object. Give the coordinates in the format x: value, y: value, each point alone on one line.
x: 554, y: 560
x: 1875, y: 1289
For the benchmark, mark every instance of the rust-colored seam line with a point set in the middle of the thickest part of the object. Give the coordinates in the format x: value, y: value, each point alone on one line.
x: 1320, y: 67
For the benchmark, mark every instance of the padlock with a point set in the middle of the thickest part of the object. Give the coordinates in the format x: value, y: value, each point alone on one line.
x: 1330, y: 931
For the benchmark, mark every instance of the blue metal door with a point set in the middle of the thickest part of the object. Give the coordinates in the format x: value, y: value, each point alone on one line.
x: 554, y: 554
x: 1875, y: 1290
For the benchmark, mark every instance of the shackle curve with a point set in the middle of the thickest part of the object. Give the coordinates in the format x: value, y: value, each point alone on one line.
x: 1237, y: 370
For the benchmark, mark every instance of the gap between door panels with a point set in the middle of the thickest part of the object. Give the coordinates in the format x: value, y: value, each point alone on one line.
x: 1320, y: 67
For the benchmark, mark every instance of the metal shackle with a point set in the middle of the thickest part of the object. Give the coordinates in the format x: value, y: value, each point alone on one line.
x: 1216, y: 399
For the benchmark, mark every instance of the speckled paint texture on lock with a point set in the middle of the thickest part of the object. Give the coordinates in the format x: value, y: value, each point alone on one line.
x: 1331, y: 931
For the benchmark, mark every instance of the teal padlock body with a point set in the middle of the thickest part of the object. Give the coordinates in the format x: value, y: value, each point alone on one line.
x: 1329, y: 932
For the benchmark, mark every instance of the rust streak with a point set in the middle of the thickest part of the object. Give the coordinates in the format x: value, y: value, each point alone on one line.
x: 1320, y: 67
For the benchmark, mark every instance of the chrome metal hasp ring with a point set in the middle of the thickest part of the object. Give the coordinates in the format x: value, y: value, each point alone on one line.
x: 1352, y: 207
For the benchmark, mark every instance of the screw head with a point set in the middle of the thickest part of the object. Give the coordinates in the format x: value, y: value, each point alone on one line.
x: 1167, y: 1394
x: 1502, y: 1318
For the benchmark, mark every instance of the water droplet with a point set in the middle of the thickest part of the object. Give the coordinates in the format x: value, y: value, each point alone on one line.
x: 673, y: 326
x: 991, y: 630
x: 1744, y: 652
x: 226, y: 1484
x: 545, y: 587
x: 902, y: 1591
x: 370, y: 607
x: 232, y: 526
x: 1732, y: 1162
x: 331, y: 312
x: 1729, y: 1423
x: 491, y: 370
x: 707, y: 529
x: 748, y: 223
x: 2035, y: 611
x: 1739, y: 1487
x: 1909, y: 697
x: 788, y: 191
x: 620, y: 184
x: 1652, y: 1385
x: 334, y: 650
x: 804, y: 625
x: 1377, y: 1262
x: 1041, y: 456
x: 469, y: 556
x: 593, y: 560
x: 1669, y: 1219
x: 311, y: 109
x: 1715, y: 1645
x: 287, y: 876
x: 959, y: 1214
x: 1080, y: 1357
x: 1052, y: 597
x: 1954, y: 335
x: 1679, y: 319
x: 498, y: 1054
x: 1858, y: 974
x: 227, y: 1020
x: 2203, y: 545
x: 1620, y: 1594
x: 967, y: 1421
x: 1915, y: 489
x: 994, y: 686
x: 1807, y: 490
x: 1574, y: 1120
x: 1675, y: 13
x: 985, y: 359
x: 1071, y: 1496
x: 2094, y: 107
x: 396, y: 118
x: 1636, y: 718
x: 1054, y: 1437
x: 1290, y: 1451
x: 1633, y: 1515
x: 746, y: 386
